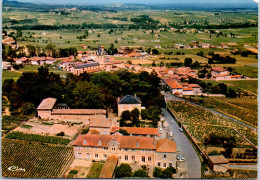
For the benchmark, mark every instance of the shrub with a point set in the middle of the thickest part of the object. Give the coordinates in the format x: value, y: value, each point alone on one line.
x: 140, y: 173
x: 85, y: 131
x: 60, y: 133
x: 124, y: 170
x: 74, y: 172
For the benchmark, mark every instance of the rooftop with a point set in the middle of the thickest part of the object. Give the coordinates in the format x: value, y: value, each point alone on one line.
x: 78, y: 111
x: 100, y: 123
x: 129, y: 99
x: 218, y: 159
x: 136, y: 130
x: 87, y: 65
x: 47, y: 104
x: 128, y: 142
x: 109, y: 167
x: 166, y: 145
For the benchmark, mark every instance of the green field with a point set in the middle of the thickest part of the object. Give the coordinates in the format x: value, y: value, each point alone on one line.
x: 95, y: 170
x: 37, y: 160
x: 250, y: 85
x: 7, y: 74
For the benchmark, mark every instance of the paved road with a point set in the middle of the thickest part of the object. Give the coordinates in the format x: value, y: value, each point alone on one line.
x: 193, y: 164
x: 170, y: 97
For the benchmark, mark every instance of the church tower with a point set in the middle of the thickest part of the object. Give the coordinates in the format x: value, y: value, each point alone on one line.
x: 100, y: 56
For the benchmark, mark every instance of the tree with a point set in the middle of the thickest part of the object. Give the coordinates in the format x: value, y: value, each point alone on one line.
x: 223, y: 88
x: 157, y: 173
x: 124, y: 132
x: 231, y: 93
x: 98, y: 35
x: 155, y: 51
x: 187, y: 62
x: 166, y: 174
x: 8, y: 86
x: 31, y: 49
x: 153, y: 64
x: 27, y: 109
x: 172, y: 169
x: 140, y: 173
x: 124, y: 170
x: 135, y: 117
x: 50, y: 49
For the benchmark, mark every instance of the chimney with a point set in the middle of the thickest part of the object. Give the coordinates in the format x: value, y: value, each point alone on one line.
x: 118, y: 99
x: 154, y: 142
x: 99, y: 142
x: 135, y: 95
x: 84, y: 142
x: 137, y: 144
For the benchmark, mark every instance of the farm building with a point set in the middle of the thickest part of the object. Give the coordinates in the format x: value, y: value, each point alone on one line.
x: 48, y: 109
x: 218, y: 163
x: 137, y: 131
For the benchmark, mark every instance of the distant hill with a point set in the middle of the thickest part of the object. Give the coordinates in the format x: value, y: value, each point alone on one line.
x: 120, y: 5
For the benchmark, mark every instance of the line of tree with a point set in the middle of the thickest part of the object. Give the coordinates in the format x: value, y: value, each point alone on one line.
x: 217, y: 59
x: 99, y: 90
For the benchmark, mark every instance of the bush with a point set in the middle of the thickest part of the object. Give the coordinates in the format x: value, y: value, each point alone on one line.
x: 124, y: 132
x: 157, y: 173
x: 85, y: 131
x: 73, y: 172
x: 166, y: 174
x: 172, y: 169
x: 124, y: 170
x: 60, y: 133
x: 140, y: 173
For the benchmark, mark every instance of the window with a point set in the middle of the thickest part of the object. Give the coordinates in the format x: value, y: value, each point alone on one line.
x: 170, y: 164
x: 104, y: 155
x: 164, y: 164
x: 96, y: 148
x: 159, y: 164
x: 149, y: 158
x: 113, y: 149
x: 120, y: 157
x: 143, y: 158
x: 96, y: 155
x: 126, y: 149
x: 133, y: 158
x: 79, y: 147
x: 105, y: 148
x: 87, y: 148
x: 164, y: 156
x: 79, y: 155
x: 119, y: 149
x: 126, y: 157
x: 88, y: 155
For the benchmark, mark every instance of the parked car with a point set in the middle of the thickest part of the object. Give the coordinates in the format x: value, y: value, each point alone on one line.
x: 172, y: 122
x: 170, y: 134
x: 181, y: 130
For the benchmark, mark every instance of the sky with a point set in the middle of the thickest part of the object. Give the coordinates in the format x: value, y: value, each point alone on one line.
x: 136, y: 1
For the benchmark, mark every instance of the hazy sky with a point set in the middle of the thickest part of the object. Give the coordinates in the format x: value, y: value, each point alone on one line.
x: 136, y: 1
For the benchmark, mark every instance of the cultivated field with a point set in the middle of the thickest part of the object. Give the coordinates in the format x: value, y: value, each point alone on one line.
x: 37, y: 160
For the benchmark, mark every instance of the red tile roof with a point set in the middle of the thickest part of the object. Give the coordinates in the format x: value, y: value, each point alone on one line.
x: 78, y: 111
x: 194, y: 86
x: 128, y: 142
x: 219, y: 69
x: 109, y: 167
x: 137, y: 130
x: 173, y: 84
x: 47, y: 104
x: 166, y: 145
x: 187, y: 89
x: 236, y: 76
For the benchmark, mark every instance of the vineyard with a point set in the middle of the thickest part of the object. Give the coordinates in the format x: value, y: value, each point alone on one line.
x: 33, y: 159
x: 11, y: 122
x: 200, y: 122
x: 37, y: 138
x: 243, y: 113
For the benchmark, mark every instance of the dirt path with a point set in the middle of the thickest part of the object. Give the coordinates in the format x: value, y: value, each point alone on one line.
x: 6, y: 111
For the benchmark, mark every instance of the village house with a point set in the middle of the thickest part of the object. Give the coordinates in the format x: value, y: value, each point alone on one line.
x: 49, y: 110
x: 158, y: 46
x: 8, y: 40
x: 7, y: 65
x: 129, y: 149
x: 129, y: 103
x: 23, y: 60
x: 137, y: 131
x: 216, y: 71
x: 178, y: 88
x: 100, y: 125
x: 179, y: 46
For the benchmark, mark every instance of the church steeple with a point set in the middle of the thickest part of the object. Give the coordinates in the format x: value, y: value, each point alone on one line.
x: 99, y: 51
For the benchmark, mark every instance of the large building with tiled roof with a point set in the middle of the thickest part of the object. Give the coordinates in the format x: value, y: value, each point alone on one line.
x: 49, y: 109
x: 129, y: 103
x: 137, y: 131
x: 129, y: 149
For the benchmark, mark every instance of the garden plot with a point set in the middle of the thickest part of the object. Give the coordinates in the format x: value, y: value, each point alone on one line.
x: 35, y: 127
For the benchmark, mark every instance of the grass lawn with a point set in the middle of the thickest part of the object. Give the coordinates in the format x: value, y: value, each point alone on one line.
x: 247, y: 70
x: 250, y: 85
x: 10, y: 75
x: 95, y: 170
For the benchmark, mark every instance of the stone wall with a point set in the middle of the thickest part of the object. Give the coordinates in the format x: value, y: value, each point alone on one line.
x: 130, y: 107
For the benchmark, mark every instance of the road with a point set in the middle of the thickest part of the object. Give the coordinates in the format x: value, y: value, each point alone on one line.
x: 192, y: 161
x: 170, y: 97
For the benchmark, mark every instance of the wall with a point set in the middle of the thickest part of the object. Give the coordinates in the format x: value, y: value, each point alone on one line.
x: 44, y: 114
x: 170, y: 158
x: 130, y: 107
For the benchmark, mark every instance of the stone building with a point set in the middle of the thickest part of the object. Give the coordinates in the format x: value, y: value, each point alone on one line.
x: 129, y: 149
x: 128, y: 102
x: 49, y: 109
x: 218, y: 163
x: 137, y: 131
